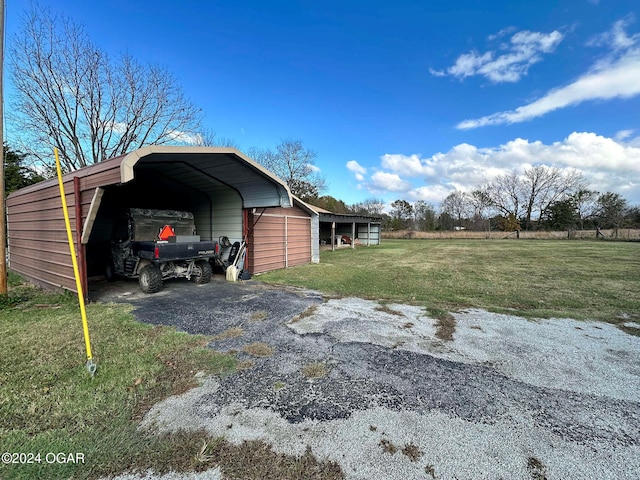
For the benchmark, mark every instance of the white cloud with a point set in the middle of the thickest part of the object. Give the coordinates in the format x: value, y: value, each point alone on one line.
x: 389, y: 182
x: 432, y: 194
x: 619, y: 80
x: 613, y: 77
x: 460, y: 167
x: 523, y: 50
x: 592, y: 152
x: 502, y: 33
x: 633, y: 142
x: 469, y: 64
x: 185, y: 137
x: 623, y: 134
x: 411, y: 166
x: 607, y: 164
x: 355, y: 167
x: 358, y: 170
x: 617, y: 37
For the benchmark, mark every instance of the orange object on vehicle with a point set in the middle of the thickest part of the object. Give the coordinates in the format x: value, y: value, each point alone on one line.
x: 166, y: 232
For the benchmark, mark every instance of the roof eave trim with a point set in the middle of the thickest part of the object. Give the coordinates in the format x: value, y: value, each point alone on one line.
x: 130, y: 160
x: 306, y: 206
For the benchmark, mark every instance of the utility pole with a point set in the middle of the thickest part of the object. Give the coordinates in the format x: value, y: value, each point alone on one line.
x: 3, y: 231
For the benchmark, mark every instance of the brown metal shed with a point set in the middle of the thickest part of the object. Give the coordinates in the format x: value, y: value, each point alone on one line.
x: 221, y: 186
x: 287, y: 237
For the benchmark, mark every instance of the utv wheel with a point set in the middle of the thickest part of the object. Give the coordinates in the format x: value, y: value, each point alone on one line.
x: 150, y: 279
x: 202, y: 272
x: 109, y: 272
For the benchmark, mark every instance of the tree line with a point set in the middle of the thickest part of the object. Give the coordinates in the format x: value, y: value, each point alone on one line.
x: 539, y: 198
x: 17, y: 173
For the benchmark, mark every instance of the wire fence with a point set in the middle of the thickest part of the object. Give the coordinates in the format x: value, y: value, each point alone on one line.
x: 608, y: 234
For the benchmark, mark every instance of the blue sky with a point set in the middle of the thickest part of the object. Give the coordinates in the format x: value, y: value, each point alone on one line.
x: 400, y: 100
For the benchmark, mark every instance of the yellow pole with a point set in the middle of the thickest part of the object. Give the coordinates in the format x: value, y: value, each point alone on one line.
x: 3, y: 241
x: 91, y: 367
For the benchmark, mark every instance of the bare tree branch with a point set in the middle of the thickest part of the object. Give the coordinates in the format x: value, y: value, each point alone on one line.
x: 504, y: 194
x: 295, y: 165
x: 527, y: 195
x: 72, y: 96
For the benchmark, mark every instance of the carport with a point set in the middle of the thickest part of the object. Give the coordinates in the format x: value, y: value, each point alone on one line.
x: 221, y: 186
x: 361, y: 229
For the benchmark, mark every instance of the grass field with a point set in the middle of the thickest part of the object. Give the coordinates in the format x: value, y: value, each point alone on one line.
x: 533, y: 278
x: 48, y: 403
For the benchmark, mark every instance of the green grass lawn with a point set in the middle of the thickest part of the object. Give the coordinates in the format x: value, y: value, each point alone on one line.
x: 533, y: 278
x: 48, y: 402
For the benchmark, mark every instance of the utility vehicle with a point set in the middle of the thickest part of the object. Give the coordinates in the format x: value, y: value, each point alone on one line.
x: 154, y: 245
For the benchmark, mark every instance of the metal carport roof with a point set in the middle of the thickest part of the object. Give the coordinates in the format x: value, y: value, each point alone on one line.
x: 197, y: 166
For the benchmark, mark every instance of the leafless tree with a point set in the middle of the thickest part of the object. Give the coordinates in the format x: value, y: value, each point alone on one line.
x: 505, y: 194
x: 371, y: 206
x: 543, y: 186
x: 457, y: 204
x: 294, y: 164
x: 208, y: 138
x: 481, y: 206
x: 529, y: 194
x: 71, y: 95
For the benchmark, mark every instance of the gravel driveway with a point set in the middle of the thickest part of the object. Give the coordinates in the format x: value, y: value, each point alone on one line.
x: 375, y: 389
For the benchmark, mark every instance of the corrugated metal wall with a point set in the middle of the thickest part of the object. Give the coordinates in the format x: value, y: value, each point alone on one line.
x: 227, y: 214
x: 368, y: 234
x: 280, y: 238
x: 315, y: 238
x: 37, y: 238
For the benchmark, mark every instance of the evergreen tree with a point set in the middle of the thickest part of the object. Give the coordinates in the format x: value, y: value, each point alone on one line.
x: 16, y: 174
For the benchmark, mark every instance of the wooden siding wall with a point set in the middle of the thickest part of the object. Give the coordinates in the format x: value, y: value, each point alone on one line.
x: 281, y: 238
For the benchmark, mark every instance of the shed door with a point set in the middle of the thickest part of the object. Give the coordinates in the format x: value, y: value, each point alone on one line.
x: 280, y: 239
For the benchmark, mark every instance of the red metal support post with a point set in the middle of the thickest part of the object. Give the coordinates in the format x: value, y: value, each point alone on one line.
x: 82, y: 260
x: 247, y: 234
